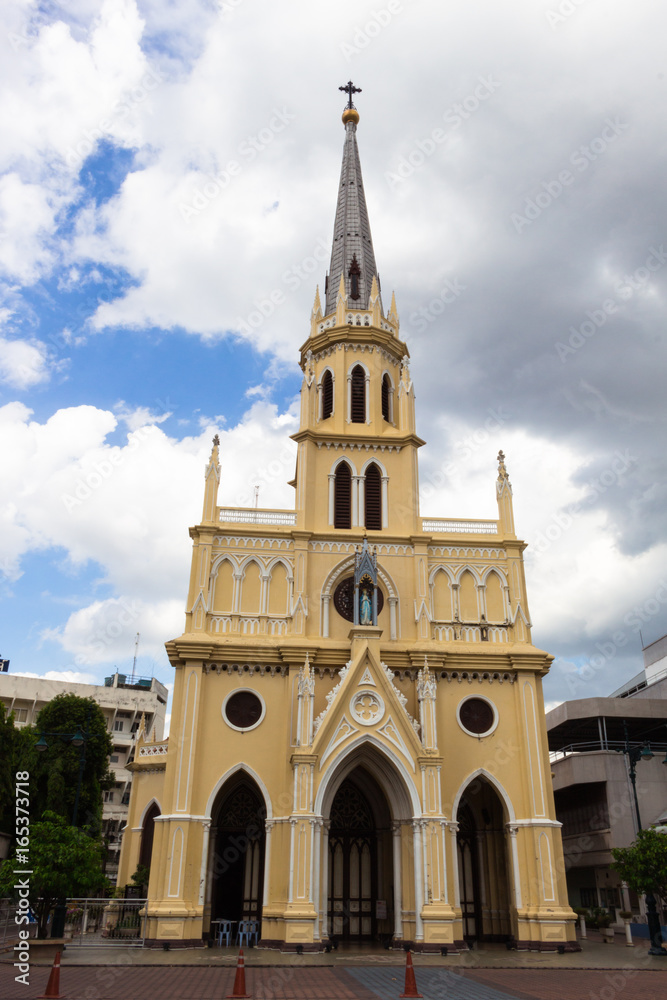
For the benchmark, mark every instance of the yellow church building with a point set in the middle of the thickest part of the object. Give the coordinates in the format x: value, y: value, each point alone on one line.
x: 358, y: 751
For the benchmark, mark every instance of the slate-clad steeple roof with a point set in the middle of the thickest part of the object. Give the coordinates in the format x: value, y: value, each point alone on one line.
x: 352, y: 242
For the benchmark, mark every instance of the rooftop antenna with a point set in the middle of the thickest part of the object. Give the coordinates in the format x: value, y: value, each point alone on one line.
x: 134, y: 661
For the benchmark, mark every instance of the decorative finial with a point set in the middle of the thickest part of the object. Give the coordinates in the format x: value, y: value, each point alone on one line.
x: 350, y: 89
x: 502, y: 471
x: 216, y: 441
x: 350, y: 114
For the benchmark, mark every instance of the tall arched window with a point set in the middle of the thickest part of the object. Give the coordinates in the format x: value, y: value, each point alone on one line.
x: 343, y: 497
x: 327, y: 395
x: 358, y: 395
x: 373, y: 499
x: 385, y: 397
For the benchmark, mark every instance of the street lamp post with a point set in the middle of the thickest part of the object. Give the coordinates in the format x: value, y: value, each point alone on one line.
x: 634, y: 754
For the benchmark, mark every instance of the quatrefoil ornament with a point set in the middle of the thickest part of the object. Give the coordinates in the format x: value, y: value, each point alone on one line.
x: 367, y: 707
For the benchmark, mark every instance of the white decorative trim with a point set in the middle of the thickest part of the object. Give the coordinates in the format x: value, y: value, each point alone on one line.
x: 390, y: 732
x: 342, y: 674
x: 344, y: 730
x: 241, y: 541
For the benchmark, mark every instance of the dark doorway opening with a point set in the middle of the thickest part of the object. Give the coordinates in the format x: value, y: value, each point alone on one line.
x: 238, y: 865
x: 360, y: 862
x: 483, y: 865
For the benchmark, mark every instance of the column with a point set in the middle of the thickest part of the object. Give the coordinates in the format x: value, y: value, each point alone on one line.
x: 268, y: 825
x: 419, y: 879
x: 393, y: 631
x: 325, y: 615
x: 206, y: 824
x: 398, y: 880
x: 454, y: 829
x: 324, y: 879
x: 513, y: 830
x: 355, y: 501
x: 315, y: 880
x: 332, y: 481
x: 385, y: 501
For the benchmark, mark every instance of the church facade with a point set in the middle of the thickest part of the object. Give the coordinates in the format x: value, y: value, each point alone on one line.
x: 358, y: 750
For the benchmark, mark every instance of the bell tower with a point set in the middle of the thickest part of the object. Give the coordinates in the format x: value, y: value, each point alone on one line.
x: 357, y: 447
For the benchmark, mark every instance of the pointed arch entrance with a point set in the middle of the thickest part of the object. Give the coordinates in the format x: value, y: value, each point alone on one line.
x: 238, y: 840
x: 360, y: 882
x: 483, y: 863
x: 369, y: 887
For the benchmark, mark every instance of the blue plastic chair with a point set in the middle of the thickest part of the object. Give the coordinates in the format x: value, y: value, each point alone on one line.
x: 224, y: 931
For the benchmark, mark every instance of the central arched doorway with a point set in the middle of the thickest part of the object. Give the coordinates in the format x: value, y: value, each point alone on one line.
x: 483, y: 862
x: 238, y: 864
x: 360, y: 882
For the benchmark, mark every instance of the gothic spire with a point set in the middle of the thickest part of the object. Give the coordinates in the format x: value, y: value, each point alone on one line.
x: 352, y: 254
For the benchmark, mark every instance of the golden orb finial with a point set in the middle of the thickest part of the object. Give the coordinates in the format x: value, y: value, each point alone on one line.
x: 350, y: 115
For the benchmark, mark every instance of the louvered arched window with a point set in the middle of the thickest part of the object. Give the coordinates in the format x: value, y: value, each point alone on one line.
x: 373, y: 498
x: 358, y: 395
x: 327, y: 395
x: 385, y: 397
x: 343, y: 497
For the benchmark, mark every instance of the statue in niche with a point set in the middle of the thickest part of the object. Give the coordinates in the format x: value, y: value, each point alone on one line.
x: 365, y: 602
x: 365, y: 608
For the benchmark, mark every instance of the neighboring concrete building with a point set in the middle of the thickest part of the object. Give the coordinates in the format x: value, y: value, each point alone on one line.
x: 358, y: 747
x: 593, y: 791
x: 123, y: 703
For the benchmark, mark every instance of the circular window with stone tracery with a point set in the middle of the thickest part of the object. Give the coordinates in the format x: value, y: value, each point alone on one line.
x: 343, y: 599
x: 477, y: 716
x: 243, y: 709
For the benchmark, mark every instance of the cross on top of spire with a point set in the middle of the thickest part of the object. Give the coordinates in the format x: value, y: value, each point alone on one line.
x: 350, y: 89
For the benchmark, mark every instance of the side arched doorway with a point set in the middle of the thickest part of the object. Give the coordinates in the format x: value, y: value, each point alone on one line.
x: 238, y: 839
x: 148, y: 835
x: 483, y: 860
x: 360, y: 877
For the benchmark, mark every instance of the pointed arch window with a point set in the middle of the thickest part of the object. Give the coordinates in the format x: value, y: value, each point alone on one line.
x: 386, y: 408
x: 358, y: 395
x: 327, y: 395
x: 343, y: 497
x: 373, y: 499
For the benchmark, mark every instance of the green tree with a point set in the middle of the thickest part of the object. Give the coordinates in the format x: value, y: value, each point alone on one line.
x: 54, y: 777
x: 643, y: 865
x: 7, y: 740
x: 17, y: 753
x: 62, y: 860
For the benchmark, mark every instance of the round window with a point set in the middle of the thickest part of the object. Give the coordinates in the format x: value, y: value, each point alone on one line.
x: 477, y: 716
x: 344, y: 599
x: 243, y: 709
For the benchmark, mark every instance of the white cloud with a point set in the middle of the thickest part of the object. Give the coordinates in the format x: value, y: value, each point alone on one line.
x: 126, y: 508
x: 23, y: 364
x: 67, y: 676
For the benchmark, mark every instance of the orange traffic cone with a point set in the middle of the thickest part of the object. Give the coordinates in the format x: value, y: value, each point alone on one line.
x: 53, y: 985
x: 410, y: 984
x: 239, y: 980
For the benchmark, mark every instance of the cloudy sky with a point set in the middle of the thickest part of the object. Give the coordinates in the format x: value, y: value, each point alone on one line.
x: 169, y: 168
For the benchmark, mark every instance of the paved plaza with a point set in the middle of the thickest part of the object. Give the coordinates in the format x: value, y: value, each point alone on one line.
x: 598, y: 972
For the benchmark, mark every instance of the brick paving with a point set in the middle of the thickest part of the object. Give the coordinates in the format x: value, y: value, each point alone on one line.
x: 120, y: 982
x: 576, y: 984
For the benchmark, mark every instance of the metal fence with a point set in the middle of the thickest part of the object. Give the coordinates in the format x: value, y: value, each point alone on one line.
x: 9, y: 929
x: 106, y: 922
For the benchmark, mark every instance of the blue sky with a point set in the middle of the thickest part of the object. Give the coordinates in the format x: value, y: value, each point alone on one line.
x: 167, y: 168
